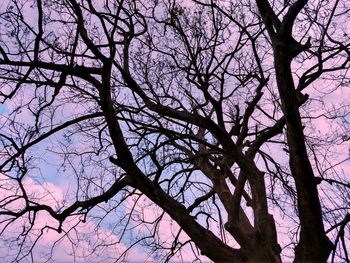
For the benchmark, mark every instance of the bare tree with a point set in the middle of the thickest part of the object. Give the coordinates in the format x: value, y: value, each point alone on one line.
x: 231, y: 117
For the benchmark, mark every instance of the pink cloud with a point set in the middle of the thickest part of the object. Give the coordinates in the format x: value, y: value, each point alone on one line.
x: 79, y: 242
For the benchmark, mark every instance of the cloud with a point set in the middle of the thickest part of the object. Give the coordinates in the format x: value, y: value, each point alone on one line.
x: 79, y: 242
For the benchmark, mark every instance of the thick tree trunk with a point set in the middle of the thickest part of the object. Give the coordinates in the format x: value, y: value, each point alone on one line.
x: 314, y: 245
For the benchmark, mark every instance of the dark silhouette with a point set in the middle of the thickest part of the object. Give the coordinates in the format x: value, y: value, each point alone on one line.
x: 232, y: 117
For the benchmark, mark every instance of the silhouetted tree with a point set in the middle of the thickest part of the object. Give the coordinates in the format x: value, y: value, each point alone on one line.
x: 232, y: 117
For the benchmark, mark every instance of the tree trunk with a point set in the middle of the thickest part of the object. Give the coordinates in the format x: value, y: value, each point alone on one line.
x: 314, y: 245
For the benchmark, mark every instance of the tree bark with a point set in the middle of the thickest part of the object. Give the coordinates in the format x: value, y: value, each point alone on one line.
x: 314, y: 245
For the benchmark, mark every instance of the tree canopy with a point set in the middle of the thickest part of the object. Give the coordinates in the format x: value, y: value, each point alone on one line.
x: 218, y: 130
